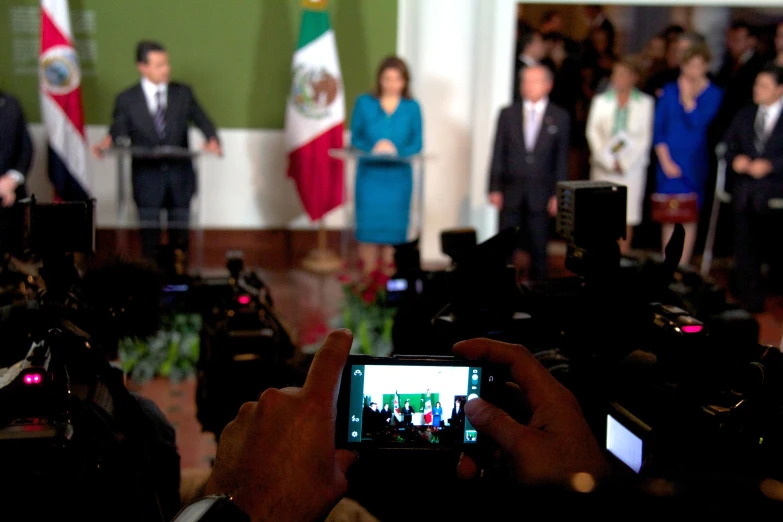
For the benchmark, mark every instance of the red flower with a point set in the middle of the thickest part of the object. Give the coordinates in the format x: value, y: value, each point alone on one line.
x: 368, y: 296
x: 379, y: 278
x: 344, y: 278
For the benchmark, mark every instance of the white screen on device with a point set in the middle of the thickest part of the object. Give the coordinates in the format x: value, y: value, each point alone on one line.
x: 623, y: 444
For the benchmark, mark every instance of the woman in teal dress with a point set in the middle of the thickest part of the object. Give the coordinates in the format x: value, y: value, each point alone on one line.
x: 386, y: 123
x: 437, y: 414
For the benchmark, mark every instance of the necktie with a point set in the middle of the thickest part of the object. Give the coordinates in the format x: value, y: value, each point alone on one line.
x: 760, y: 129
x: 160, y: 115
x: 531, y: 129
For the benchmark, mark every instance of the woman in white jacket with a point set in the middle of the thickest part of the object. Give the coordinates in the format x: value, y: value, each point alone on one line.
x: 619, y: 133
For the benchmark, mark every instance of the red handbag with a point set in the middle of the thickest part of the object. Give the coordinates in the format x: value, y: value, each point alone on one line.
x: 675, y: 208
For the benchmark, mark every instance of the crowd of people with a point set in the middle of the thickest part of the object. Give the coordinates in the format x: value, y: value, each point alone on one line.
x: 657, y: 115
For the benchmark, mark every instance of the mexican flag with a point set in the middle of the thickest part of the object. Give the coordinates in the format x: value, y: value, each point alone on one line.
x: 315, y: 114
x: 428, y: 409
x: 397, y: 412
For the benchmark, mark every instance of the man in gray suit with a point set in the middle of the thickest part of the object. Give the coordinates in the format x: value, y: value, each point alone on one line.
x: 530, y: 157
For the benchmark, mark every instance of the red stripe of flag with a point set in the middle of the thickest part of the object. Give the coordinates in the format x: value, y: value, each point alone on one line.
x: 70, y: 103
x: 319, y: 182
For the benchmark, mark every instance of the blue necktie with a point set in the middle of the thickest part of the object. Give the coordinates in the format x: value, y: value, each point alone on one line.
x: 160, y: 115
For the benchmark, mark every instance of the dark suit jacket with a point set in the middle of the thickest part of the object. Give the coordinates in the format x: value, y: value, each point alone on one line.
x: 16, y: 147
x: 737, y: 87
x: 529, y: 176
x: 747, y: 192
x: 457, y: 417
x: 132, y: 119
x: 519, y: 65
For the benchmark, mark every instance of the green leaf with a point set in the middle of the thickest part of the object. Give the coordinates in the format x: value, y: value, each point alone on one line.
x: 364, y: 338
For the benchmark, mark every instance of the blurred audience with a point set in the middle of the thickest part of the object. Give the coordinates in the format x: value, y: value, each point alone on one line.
x: 737, y: 75
x: 552, y: 24
x: 675, y: 51
x: 597, y: 20
x: 694, y: 108
x: 653, y: 59
x: 532, y: 51
x: 565, y: 68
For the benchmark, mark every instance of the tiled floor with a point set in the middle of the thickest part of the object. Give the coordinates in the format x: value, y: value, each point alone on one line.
x: 306, y: 302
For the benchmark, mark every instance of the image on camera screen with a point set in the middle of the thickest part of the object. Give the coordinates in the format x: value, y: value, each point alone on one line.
x: 412, y: 405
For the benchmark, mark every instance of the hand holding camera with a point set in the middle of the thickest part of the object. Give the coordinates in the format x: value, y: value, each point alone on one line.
x: 557, y: 441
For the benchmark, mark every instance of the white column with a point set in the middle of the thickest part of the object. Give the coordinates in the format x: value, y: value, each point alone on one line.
x: 712, y: 22
x: 496, y: 28
x: 437, y: 39
x: 460, y: 55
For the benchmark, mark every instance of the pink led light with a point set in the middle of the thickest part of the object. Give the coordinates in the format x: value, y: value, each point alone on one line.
x: 244, y: 299
x: 692, y: 328
x: 33, y: 378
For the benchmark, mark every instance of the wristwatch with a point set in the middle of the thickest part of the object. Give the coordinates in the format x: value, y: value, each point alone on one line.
x: 215, y: 508
x: 17, y: 176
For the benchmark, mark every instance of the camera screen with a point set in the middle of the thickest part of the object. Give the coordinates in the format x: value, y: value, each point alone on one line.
x: 412, y: 405
x: 397, y: 285
x: 624, y: 444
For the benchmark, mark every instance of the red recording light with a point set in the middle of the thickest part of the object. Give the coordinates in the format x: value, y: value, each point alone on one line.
x: 244, y: 299
x: 692, y: 328
x: 33, y: 378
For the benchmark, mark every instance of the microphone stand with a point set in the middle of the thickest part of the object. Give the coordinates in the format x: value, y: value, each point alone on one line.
x: 721, y: 196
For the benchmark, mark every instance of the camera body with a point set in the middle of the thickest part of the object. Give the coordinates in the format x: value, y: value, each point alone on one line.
x: 244, y: 346
x: 68, y: 424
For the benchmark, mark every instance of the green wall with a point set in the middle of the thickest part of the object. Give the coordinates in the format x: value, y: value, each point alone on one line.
x: 235, y: 53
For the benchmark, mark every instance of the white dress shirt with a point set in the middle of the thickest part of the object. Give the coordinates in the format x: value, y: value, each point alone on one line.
x: 533, y: 126
x: 772, y: 114
x: 150, y: 93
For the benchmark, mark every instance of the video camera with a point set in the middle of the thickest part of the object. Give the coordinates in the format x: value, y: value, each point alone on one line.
x: 655, y: 339
x: 245, y: 348
x: 68, y: 425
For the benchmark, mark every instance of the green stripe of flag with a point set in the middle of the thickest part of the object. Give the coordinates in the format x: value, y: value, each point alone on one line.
x: 314, y: 24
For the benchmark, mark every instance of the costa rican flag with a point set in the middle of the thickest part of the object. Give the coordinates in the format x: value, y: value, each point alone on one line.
x: 397, y: 412
x: 61, y: 103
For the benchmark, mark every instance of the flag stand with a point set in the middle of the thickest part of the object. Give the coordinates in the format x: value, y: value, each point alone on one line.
x: 321, y: 260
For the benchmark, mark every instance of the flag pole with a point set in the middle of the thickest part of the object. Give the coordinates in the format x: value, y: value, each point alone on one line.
x: 322, y: 260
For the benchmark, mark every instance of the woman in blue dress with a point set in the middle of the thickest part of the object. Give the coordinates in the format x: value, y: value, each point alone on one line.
x: 437, y: 414
x: 683, y: 114
x: 386, y: 123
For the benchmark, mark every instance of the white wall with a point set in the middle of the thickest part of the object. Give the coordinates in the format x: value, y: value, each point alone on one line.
x: 460, y: 55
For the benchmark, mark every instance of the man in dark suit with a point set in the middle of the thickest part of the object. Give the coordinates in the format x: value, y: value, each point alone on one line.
x: 407, y: 414
x: 530, y: 157
x: 755, y: 153
x: 530, y: 51
x: 156, y: 113
x: 16, y: 155
x: 737, y: 75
